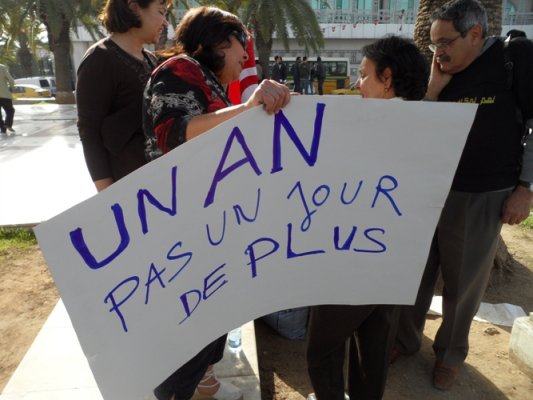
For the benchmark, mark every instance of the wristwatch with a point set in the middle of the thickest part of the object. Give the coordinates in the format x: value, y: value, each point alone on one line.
x: 527, y: 185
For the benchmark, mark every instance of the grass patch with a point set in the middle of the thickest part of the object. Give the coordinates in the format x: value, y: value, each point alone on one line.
x: 16, y: 238
x: 528, y: 222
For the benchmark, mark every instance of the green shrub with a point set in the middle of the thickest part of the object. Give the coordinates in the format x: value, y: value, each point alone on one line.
x: 528, y: 222
x: 16, y: 238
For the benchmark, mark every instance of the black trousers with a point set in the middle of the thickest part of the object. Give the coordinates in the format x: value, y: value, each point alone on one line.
x: 320, y: 86
x: 182, y: 383
x: 371, y: 330
x: 7, y: 105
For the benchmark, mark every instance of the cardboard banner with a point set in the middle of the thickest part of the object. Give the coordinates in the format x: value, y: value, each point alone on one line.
x: 334, y: 200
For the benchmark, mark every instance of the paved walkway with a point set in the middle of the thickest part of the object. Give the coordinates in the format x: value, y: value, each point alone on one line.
x: 42, y: 169
x: 55, y: 368
x: 43, y: 173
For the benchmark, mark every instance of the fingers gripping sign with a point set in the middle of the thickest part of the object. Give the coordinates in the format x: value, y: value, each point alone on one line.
x: 272, y: 95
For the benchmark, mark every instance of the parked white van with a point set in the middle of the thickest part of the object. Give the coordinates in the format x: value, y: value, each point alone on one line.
x: 45, y: 82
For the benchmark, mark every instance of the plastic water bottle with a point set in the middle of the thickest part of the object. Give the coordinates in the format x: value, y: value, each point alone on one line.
x: 235, y: 340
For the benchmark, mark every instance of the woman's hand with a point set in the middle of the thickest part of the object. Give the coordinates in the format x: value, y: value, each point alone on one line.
x: 271, y: 94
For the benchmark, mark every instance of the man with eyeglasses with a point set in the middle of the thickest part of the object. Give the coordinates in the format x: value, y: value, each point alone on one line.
x: 492, y: 184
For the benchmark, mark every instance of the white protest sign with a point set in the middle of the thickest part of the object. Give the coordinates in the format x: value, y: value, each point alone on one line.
x: 333, y: 200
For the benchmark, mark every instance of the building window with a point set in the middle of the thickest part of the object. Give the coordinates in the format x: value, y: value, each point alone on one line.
x: 364, y: 5
x: 319, y: 5
x: 398, y: 5
x: 342, y: 4
x: 508, y: 7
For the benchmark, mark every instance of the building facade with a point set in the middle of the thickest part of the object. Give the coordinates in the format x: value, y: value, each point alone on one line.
x: 348, y: 25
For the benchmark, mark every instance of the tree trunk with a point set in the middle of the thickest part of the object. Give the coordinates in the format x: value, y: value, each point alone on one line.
x: 264, y: 49
x: 494, y: 16
x: 24, y: 56
x: 60, y: 46
x: 423, y: 25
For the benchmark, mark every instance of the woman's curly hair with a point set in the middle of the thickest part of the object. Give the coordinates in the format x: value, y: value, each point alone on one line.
x: 409, y: 68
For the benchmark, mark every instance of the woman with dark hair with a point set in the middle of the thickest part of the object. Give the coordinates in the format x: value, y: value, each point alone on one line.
x: 392, y: 67
x: 111, y: 80
x: 185, y: 97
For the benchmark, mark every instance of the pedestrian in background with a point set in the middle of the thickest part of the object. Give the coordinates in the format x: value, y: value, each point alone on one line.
x: 320, y: 75
x: 279, y: 70
x: 312, y: 77
x: 305, y: 73
x: 295, y: 72
x: 6, y: 99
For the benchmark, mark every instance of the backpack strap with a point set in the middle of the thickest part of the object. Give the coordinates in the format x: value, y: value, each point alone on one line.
x: 521, y: 115
x: 508, y: 62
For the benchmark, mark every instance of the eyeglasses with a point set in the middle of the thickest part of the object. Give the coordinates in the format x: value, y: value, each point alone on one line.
x: 443, y: 44
x: 242, y: 37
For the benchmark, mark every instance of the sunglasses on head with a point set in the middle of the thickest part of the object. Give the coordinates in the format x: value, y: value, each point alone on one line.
x: 242, y: 37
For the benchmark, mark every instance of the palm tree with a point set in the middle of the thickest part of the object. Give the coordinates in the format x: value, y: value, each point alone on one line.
x: 10, y: 24
x: 273, y: 17
x: 24, y: 55
x: 267, y: 18
x: 426, y: 8
x: 19, y: 32
x: 494, y: 12
x: 59, y: 18
x: 232, y: 6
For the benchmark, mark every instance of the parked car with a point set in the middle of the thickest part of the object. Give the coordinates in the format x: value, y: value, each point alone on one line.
x: 26, y: 90
x: 347, y: 90
x: 44, y: 82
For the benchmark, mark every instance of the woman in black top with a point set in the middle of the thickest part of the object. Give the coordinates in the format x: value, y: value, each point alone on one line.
x: 111, y: 80
x: 392, y: 68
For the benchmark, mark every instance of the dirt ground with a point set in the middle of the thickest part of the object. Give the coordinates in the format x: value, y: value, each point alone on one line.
x: 488, y: 374
x: 27, y: 295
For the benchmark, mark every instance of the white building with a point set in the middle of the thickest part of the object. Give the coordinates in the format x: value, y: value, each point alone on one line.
x: 348, y: 25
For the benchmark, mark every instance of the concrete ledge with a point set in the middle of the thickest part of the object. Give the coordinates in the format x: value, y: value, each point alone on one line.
x: 242, y: 369
x: 521, y: 344
x: 55, y: 368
